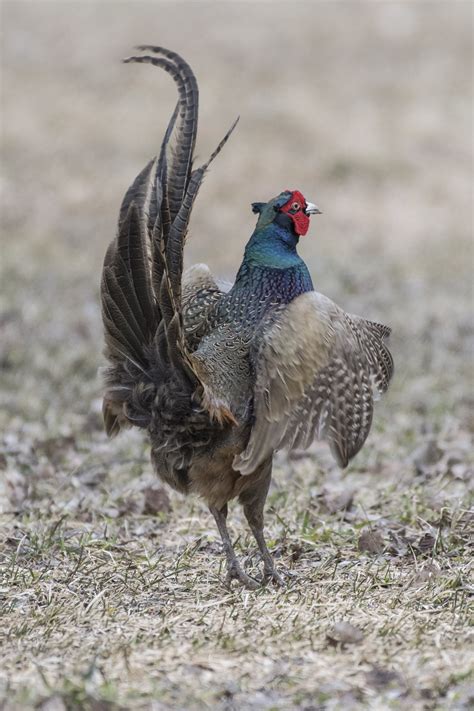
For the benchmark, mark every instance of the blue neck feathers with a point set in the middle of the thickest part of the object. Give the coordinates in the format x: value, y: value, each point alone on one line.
x: 273, y: 246
x: 271, y: 271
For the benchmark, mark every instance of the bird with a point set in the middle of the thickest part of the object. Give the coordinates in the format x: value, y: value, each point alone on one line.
x: 222, y: 377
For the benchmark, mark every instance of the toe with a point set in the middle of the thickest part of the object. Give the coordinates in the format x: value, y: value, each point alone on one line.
x: 274, y: 576
x: 243, y: 578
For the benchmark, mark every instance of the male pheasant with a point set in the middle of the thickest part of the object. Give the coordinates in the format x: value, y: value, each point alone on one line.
x: 222, y: 379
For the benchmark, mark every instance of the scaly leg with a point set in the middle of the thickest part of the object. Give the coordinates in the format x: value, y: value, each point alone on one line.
x: 234, y: 570
x: 253, y: 502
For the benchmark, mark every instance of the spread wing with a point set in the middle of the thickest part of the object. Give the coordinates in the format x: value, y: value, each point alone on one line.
x: 318, y: 371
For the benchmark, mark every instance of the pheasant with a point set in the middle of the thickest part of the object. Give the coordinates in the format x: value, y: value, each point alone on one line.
x: 222, y: 378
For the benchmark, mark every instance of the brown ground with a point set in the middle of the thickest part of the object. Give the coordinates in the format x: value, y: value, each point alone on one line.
x: 110, y: 600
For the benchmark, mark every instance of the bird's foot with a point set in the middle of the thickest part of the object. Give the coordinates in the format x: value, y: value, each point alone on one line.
x: 271, y: 575
x: 235, y: 572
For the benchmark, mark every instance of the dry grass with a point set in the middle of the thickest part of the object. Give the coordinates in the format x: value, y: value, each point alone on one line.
x: 111, y: 596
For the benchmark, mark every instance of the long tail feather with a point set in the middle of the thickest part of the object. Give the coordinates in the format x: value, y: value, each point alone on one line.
x: 180, y: 169
x: 162, y: 213
x: 133, y: 248
x: 141, y: 281
x: 177, y: 238
x: 183, y: 75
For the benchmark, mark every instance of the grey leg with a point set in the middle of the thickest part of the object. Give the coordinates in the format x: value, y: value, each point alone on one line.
x: 234, y: 570
x: 255, y: 520
x: 253, y: 502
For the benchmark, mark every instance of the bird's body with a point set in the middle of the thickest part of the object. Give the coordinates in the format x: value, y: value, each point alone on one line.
x: 222, y: 378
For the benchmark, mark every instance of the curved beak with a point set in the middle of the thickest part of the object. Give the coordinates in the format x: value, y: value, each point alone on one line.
x: 312, y: 209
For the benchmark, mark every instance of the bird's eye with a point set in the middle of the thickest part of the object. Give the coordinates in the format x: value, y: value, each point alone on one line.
x: 295, y: 206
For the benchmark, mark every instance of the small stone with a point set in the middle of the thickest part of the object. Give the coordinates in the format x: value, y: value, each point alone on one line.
x: 344, y: 633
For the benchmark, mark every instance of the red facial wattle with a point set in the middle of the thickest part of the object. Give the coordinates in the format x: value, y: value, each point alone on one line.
x: 299, y: 217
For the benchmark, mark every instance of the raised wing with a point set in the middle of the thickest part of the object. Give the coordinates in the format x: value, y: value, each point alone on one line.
x: 318, y: 371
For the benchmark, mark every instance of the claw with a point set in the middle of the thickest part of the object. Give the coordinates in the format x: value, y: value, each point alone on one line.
x: 273, y: 576
x: 236, y: 573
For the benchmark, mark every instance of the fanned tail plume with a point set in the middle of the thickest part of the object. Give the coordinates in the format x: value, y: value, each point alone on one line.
x: 141, y: 280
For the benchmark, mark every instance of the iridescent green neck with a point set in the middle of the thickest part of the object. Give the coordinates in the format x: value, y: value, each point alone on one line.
x: 272, y: 246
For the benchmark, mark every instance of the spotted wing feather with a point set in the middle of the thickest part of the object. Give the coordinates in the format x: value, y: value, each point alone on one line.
x: 317, y: 371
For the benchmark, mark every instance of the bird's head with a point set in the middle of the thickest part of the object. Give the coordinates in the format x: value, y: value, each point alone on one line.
x: 289, y: 210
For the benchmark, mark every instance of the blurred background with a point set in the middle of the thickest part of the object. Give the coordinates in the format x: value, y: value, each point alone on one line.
x: 364, y: 107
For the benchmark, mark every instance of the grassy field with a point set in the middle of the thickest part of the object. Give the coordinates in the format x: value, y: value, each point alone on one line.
x: 112, y: 591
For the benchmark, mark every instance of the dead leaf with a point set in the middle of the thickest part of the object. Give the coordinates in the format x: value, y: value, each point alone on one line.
x: 156, y: 500
x: 371, y: 541
x: 429, y: 572
x: 55, y: 448
x: 16, y: 487
x: 344, y: 633
x: 426, y: 543
x: 426, y: 455
x: 210, y: 547
x: 400, y: 544
x: 380, y: 678
x: 297, y: 551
